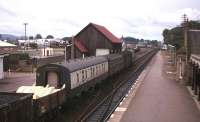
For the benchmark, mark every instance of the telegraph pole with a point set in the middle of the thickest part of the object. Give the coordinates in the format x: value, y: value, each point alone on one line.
x: 72, y: 48
x: 185, y: 27
x: 25, y: 24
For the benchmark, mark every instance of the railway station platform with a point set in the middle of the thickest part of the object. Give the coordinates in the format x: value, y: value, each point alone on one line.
x: 158, y: 99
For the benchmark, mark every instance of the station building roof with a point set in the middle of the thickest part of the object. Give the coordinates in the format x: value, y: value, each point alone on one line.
x: 6, y: 44
x: 106, y: 33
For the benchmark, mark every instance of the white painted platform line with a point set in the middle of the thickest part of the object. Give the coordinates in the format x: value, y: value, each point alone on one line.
x: 112, y: 115
x: 169, y: 72
x: 194, y: 97
x: 121, y: 109
x: 124, y: 98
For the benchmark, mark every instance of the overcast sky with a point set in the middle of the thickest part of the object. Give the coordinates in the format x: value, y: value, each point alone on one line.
x: 138, y: 18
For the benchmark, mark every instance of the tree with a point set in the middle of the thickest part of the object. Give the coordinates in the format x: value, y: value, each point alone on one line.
x: 38, y: 36
x: 66, y: 38
x: 154, y: 42
x: 50, y: 37
x: 165, y: 35
x: 174, y: 37
x: 194, y: 24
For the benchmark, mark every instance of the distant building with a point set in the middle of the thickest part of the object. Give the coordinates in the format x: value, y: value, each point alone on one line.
x: 5, y: 48
x: 47, y: 51
x: 129, y: 45
x: 40, y: 42
x: 93, y: 40
x: 142, y: 44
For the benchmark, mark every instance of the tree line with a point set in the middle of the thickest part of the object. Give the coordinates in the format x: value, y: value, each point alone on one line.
x: 175, y: 36
x: 135, y: 40
x: 39, y: 36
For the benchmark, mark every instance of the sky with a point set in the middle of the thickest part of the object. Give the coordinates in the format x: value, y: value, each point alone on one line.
x: 137, y: 18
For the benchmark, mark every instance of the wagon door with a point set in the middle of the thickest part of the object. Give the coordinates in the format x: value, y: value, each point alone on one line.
x: 52, y: 78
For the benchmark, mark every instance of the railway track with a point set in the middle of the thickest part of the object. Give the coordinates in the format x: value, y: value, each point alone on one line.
x: 101, y: 108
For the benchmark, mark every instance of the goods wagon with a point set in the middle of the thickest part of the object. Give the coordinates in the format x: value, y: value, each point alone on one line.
x: 15, y: 107
x: 128, y: 59
x: 44, y: 100
x: 116, y: 63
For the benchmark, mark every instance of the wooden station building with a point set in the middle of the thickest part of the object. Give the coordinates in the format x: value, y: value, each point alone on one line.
x: 93, y: 40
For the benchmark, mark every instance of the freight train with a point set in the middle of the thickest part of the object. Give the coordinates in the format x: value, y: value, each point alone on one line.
x: 59, y: 81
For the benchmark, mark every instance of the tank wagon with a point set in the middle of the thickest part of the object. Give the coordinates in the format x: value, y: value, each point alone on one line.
x: 56, y: 82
